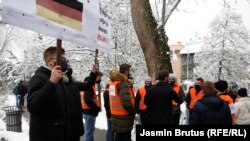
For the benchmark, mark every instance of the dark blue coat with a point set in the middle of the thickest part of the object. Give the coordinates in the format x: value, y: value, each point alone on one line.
x: 211, y: 110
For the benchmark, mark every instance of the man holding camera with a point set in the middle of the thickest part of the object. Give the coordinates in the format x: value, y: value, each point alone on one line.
x: 54, y: 100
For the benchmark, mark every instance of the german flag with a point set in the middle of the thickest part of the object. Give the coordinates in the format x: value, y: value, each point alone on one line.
x: 65, y: 12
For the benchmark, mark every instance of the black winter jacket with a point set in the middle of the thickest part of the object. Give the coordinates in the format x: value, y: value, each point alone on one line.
x: 21, y: 89
x: 106, y: 103
x: 211, y: 110
x: 93, y: 108
x: 159, y: 103
x: 55, y: 109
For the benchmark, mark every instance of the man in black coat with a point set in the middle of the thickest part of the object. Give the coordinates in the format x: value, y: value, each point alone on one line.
x: 210, y: 109
x: 54, y: 101
x: 90, y: 109
x: 21, y: 92
x: 159, y: 101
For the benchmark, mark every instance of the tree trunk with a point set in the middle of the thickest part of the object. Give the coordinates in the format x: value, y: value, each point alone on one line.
x: 152, y: 38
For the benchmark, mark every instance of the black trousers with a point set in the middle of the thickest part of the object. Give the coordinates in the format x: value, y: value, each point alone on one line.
x: 123, y: 136
x: 177, y: 118
x: 143, y: 115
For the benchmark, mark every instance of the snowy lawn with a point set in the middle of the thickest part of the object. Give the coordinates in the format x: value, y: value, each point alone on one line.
x: 9, y: 100
x: 101, y: 122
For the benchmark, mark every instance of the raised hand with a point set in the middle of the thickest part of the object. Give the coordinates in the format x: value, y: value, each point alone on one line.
x: 95, y: 68
x: 56, y: 74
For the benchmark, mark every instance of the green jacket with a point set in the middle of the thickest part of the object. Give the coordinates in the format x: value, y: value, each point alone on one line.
x: 123, y: 124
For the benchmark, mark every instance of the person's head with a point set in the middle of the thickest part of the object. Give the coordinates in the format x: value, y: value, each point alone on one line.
x: 197, y: 84
x: 208, y: 88
x: 163, y: 76
x: 221, y: 86
x: 125, y: 69
x: 98, y: 78
x: 242, y: 92
x: 107, y: 87
x: 172, y: 79
x: 50, y: 56
x: 148, y: 82
x: 21, y: 82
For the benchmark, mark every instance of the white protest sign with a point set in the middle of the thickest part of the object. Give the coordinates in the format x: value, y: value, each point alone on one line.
x: 69, y: 20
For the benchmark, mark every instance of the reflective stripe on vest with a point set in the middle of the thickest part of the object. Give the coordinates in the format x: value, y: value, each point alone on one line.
x: 95, y: 100
x: 116, y: 106
x: 226, y: 98
x: 194, y: 97
x: 142, y: 93
x: 176, y: 88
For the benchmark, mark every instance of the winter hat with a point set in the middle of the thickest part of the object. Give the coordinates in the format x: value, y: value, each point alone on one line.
x: 148, y: 79
x: 242, y: 92
x: 172, y: 75
x: 221, y: 85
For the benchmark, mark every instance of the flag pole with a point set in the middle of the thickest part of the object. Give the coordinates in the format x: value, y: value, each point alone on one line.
x: 58, y: 51
x: 98, y: 85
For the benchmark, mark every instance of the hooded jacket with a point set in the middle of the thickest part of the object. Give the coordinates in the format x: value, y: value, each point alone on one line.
x: 123, y: 123
x: 211, y: 110
x: 55, y: 109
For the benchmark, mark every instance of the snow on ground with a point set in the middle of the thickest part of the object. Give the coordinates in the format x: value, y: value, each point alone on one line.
x: 9, y: 100
x: 101, y: 120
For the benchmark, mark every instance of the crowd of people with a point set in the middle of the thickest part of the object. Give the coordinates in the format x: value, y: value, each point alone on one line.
x: 58, y: 103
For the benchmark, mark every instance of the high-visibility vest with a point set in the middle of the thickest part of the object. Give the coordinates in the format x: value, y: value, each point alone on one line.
x: 131, y: 90
x: 116, y: 106
x: 194, y: 97
x: 229, y: 101
x: 95, y: 100
x: 176, y: 88
x: 142, y: 93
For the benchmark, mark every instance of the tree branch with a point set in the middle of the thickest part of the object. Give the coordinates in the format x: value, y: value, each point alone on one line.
x: 163, y: 11
x: 157, y: 11
x: 170, y: 11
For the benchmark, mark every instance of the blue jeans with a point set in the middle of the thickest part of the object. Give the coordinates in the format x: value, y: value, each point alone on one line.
x: 20, y: 100
x: 89, y: 127
x: 17, y: 101
x: 110, y: 134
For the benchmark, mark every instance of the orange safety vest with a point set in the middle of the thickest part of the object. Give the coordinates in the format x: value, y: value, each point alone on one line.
x: 194, y: 97
x: 142, y: 93
x: 230, y: 103
x: 95, y: 100
x: 116, y: 106
x: 176, y: 88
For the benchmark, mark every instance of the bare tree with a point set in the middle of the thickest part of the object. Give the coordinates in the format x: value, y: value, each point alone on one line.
x: 125, y: 47
x: 224, y: 56
x: 6, y: 36
x: 151, y: 32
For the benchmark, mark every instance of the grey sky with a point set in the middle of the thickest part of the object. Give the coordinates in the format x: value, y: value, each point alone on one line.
x: 183, y: 26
